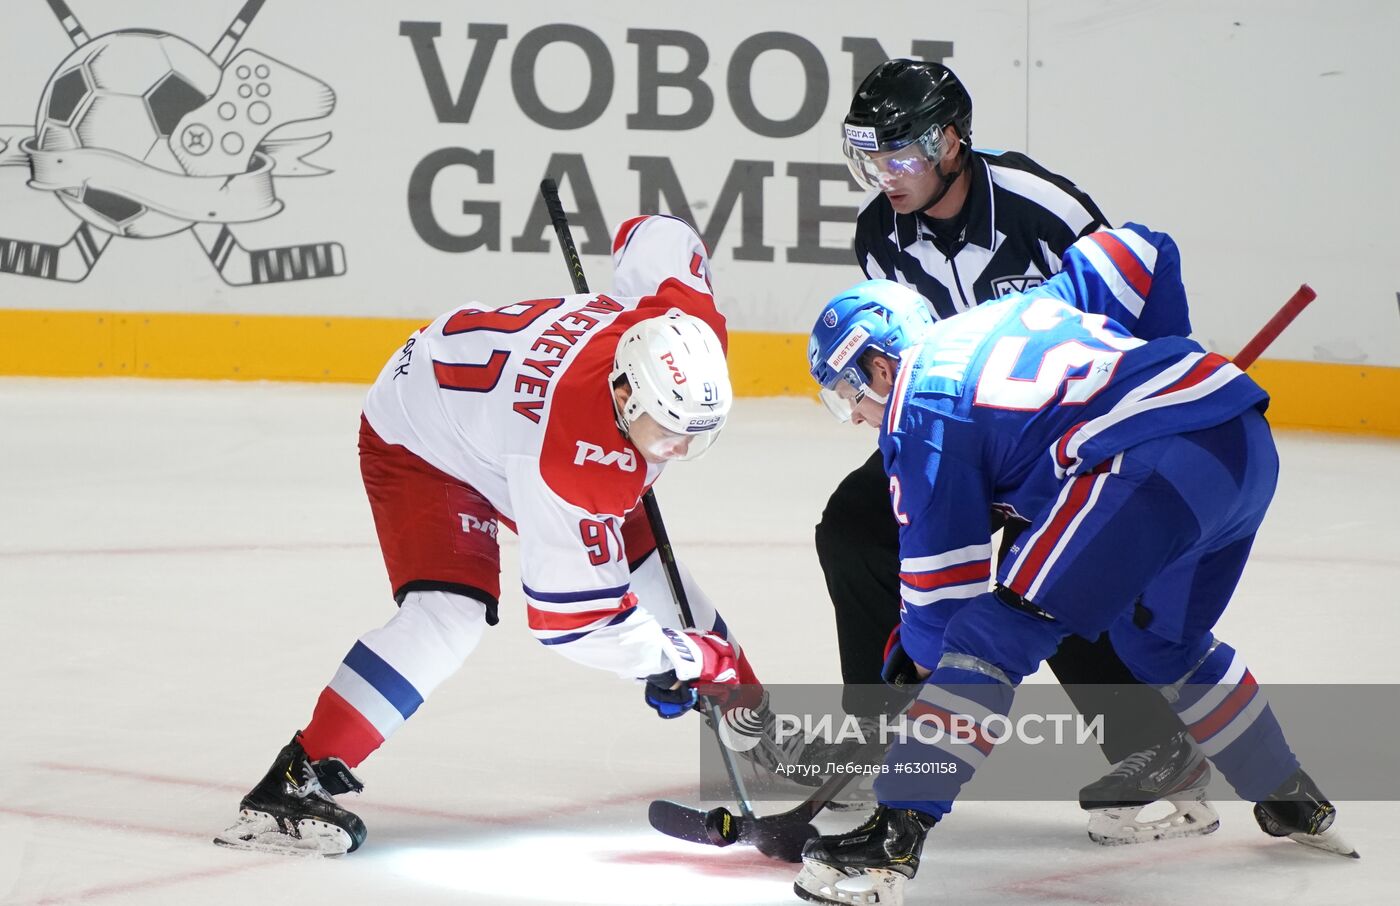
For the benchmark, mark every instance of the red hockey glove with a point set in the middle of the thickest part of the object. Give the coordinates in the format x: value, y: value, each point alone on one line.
x: 700, y: 659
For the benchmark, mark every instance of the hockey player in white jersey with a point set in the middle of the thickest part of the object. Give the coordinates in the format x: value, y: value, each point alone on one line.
x: 551, y: 417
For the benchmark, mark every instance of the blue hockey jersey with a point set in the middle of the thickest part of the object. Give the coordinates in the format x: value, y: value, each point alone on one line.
x: 1001, y: 404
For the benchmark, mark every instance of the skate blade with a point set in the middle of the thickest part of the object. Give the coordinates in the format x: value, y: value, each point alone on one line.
x: 1121, y: 826
x: 1328, y: 841
x: 817, y: 883
x: 840, y: 806
x: 260, y: 832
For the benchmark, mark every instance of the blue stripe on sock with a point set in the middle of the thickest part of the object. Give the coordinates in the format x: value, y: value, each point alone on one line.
x: 376, y: 671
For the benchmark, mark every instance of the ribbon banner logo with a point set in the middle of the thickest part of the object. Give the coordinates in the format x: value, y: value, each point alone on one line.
x: 142, y: 134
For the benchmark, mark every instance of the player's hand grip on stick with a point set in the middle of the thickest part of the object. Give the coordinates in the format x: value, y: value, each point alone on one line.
x: 899, y: 670
x: 701, y: 658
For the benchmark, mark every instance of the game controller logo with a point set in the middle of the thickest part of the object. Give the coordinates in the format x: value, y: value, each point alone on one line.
x: 142, y: 134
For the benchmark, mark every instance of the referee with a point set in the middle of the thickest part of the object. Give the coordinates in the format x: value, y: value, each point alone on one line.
x: 962, y: 227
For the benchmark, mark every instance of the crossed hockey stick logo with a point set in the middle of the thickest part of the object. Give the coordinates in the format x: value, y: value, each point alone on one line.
x: 142, y: 134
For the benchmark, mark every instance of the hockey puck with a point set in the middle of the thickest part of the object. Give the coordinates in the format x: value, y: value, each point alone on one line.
x: 721, y: 827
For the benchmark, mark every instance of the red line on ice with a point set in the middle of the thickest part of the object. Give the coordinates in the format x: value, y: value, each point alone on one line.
x: 489, y: 818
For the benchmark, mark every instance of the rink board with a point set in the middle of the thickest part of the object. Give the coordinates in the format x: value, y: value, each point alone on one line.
x: 1313, y: 395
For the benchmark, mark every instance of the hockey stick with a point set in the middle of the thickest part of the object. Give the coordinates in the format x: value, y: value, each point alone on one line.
x: 779, y: 836
x: 70, y: 22
x: 1270, y: 331
x: 699, y: 826
x: 725, y: 832
x: 238, y: 266
x: 234, y: 33
x: 70, y: 262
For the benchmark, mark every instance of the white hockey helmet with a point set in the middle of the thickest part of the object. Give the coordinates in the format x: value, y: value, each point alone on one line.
x: 676, y: 368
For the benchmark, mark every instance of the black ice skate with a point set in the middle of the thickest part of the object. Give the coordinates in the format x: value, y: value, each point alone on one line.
x: 866, y: 866
x: 1174, y: 771
x: 1298, y: 810
x: 291, y: 810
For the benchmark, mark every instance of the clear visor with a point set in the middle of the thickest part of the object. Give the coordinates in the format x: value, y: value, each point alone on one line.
x: 882, y: 169
x: 844, y: 394
x: 661, y: 444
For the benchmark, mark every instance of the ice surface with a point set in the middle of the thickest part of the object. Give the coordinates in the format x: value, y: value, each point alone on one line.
x: 182, y: 566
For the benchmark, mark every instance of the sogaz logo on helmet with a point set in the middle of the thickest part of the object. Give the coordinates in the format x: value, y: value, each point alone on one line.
x: 829, y: 319
x: 862, y: 137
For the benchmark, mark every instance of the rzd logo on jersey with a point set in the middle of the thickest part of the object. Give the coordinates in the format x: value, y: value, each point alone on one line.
x: 625, y: 460
x: 471, y: 524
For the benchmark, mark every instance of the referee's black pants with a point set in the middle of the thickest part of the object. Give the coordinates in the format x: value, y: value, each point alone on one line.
x: 858, y: 547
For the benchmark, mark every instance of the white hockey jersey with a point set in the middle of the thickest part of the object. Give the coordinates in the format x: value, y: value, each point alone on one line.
x: 516, y: 402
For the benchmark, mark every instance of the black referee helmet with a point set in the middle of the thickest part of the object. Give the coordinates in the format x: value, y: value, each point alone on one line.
x: 901, y: 101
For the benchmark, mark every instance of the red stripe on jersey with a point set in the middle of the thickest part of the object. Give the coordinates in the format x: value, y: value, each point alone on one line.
x: 624, y: 231
x: 1137, y: 276
x: 961, y: 734
x: 952, y: 575
x: 338, y: 729
x: 549, y: 619
x: 894, y: 403
x: 1227, y: 710
x: 1208, y: 365
x: 1062, y: 448
x: 1080, y: 489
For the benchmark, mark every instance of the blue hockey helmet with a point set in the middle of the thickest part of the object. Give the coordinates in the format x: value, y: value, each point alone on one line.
x: 877, y: 314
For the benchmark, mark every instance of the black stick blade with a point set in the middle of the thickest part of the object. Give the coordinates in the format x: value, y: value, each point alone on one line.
x: 717, y: 827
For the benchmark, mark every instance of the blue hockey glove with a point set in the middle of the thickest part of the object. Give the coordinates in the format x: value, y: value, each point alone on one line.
x: 900, y: 669
x: 666, y: 701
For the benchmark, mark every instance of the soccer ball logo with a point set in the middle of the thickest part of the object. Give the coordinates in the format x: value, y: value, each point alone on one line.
x: 124, y: 92
x: 142, y: 134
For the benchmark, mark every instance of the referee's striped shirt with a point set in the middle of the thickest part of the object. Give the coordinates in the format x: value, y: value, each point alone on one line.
x: 1017, y: 222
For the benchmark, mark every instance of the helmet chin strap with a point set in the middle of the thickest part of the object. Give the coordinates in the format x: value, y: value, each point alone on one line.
x: 946, y: 180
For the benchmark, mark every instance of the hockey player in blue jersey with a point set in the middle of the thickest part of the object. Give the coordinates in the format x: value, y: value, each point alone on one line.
x: 1145, y: 468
